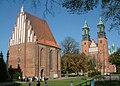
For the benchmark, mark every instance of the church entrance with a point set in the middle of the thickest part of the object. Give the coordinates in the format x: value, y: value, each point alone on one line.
x: 42, y: 77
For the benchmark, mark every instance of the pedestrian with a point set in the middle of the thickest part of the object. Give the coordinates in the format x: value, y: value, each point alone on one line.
x: 38, y: 83
x: 19, y: 78
x: 46, y: 83
x: 71, y: 83
x: 29, y: 84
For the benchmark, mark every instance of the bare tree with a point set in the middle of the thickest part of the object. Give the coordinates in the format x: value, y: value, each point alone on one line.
x: 45, y: 6
x: 69, y: 45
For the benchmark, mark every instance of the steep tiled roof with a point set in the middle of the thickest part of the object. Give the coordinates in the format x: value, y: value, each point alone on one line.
x: 42, y: 31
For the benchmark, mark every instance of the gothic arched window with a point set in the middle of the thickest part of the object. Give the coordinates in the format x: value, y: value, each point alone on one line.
x: 50, y: 59
x: 57, y: 59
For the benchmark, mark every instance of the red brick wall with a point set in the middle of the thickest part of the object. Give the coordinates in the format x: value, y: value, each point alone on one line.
x: 27, y: 56
x: 85, y: 46
x: 45, y: 61
x: 103, y: 53
x: 33, y: 52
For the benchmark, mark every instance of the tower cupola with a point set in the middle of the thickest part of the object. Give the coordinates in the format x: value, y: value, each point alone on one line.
x: 85, y: 32
x: 101, y: 29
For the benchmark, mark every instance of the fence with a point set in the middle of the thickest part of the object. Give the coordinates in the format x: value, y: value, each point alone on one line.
x: 107, y: 80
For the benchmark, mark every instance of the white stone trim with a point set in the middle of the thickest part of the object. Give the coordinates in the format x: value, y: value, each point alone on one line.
x: 24, y: 33
x: 18, y: 35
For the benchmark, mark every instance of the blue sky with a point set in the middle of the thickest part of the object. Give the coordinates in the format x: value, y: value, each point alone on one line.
x: 62, y: 24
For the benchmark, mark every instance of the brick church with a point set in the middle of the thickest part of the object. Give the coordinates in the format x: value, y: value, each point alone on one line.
x: 33, y: 48
x: 97, y: 51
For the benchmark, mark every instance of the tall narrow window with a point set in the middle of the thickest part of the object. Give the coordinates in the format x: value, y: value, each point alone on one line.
x: 57, y: 60
x: 50, y: 59
x: 41, y: 53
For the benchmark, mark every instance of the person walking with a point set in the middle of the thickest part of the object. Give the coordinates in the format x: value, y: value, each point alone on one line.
x: 71, y: 83
x: 29, y: 84
x: 38, y: 83
x: 46, y: 84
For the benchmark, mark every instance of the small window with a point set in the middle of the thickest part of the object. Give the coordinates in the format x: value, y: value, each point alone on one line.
x: 101, y: 41
x: 85, y: 32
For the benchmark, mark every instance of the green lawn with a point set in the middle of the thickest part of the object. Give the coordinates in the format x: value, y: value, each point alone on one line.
x: 55, y: 82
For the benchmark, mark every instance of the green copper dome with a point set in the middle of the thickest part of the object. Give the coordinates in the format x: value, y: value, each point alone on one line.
x: 100, y: 21
x: 85, y: 25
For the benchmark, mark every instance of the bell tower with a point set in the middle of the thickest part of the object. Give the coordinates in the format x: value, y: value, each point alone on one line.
x: 85, y: 38
x: 101, y: 29
x: 102, y: 47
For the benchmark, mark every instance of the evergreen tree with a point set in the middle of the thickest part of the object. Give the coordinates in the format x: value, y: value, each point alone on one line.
x: 3, y: 70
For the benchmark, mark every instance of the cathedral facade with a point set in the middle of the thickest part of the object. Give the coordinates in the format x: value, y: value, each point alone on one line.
x: 97, y: 51
x: 33, y: 48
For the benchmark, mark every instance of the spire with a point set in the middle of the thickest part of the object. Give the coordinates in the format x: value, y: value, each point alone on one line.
x: 85, y: 25
x: 22, y: 8
x: 100, y: 22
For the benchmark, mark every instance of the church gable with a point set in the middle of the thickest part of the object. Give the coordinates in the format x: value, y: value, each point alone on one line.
x: 18, y: 34
x: 35, y: 29
x: 22, y: 27
x: 93, y: 47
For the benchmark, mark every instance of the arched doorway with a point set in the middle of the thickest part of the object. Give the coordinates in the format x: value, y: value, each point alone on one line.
x: 41, y: 74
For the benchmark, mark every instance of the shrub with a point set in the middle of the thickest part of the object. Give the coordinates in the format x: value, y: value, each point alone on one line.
x: 16, y: 75
x: 93, y: 74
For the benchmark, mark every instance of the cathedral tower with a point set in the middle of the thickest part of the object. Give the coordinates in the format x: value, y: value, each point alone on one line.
x: 85, y: 38
x: 98, y: 51
x: 102, y: 47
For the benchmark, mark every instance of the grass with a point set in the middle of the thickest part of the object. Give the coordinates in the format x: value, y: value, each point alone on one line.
x: 55, y: 82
